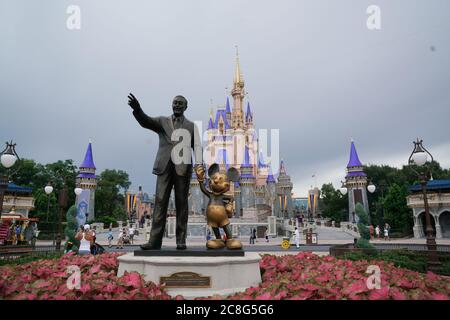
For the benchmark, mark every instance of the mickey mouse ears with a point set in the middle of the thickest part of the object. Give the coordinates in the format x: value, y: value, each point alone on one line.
x: 232, y: 173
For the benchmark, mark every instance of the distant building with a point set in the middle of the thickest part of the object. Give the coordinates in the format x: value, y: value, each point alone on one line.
x: 86, y: 180
x: 140, y: 204
x: 438, y: 195
x: 17, y: 201
x: 313, y: 202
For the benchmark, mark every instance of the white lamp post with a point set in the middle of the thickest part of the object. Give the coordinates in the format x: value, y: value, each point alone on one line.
x: 8, y: 158
x: 48, y: 190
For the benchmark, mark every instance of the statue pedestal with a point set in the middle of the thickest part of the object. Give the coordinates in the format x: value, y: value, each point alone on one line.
x: 195, y: 273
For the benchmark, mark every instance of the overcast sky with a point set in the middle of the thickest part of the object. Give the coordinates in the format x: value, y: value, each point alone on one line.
x: 312, y: 69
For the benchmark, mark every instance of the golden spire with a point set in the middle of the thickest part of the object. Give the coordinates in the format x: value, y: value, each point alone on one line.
x: 237, y: 75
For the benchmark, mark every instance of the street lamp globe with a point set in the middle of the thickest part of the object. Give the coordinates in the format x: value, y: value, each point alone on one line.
x: 48, y: 189
x: 371, y: 188
x: 419, y: 158
x: 78, y: 191
x: 8, y: 160
x: 343, y: 190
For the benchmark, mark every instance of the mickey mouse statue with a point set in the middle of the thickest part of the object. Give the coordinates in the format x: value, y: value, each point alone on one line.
x: 220, y: 206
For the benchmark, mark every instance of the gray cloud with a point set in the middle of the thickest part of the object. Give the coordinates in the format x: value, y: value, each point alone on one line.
x: 311, y: 68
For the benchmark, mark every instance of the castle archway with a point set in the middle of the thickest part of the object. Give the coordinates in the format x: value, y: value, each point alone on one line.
x: 444, y: 221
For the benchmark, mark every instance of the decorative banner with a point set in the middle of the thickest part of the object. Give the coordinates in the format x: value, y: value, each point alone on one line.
x: 83, y: 206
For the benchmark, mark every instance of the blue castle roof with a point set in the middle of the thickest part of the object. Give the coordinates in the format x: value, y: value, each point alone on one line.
x: 210, y: 124
x: 248, y: 114
x: 221, y: 113
x: 88, y: 158
x: 354, y: 159
x: 432, y: 185
x: 15, y: 188
x: 270, y: 178
x: 227, y: 108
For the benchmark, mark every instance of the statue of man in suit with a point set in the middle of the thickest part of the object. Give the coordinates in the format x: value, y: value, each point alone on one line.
x: 173, y: 166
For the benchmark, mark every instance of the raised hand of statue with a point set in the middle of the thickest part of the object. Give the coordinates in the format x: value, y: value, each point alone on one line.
x: 133, y: 102
x: 200, y: 172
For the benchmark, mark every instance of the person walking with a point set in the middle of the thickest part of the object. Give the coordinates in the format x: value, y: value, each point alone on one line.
x: 297, y: 237
x: 110, y: 237
x: 377, y: 232
x: 386, y: 232
x: 266, y: 234
x: 120, y: 238
x: 131, y: 233
x: 252, y: 236
x: 371, y: 230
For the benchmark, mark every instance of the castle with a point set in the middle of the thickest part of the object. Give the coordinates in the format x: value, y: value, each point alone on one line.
x: 232, y: 141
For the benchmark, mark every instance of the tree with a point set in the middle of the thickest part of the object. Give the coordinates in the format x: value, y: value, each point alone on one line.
x: 108, y: 198
x: 396, y: 212
x: 334, y: 204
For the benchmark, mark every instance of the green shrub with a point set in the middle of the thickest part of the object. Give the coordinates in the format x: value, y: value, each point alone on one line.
x: 364, y: 244
x: 400, y: 258
x: 445, y: 269
x: 30, y: 257
x: 362, y: 222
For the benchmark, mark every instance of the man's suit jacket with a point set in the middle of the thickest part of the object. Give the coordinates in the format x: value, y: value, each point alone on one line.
x: 164, y: 127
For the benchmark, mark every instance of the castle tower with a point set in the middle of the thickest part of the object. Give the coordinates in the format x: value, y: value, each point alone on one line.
x: 238, y: 93
x: 271, y: 190
x: 284, y: 193
x: 87, y: 181
x: 356, y: 183
x: 247, y: 182
x: 195, y: 200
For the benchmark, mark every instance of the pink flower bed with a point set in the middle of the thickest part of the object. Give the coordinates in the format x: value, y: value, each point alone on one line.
x: 47, y: 279
x: 302, y: 276
x: 308, y: 276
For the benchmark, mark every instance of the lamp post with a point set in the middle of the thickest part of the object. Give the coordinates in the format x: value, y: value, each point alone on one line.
x: 48, y: 190
x: 419, y: 157
x: 8, y: 158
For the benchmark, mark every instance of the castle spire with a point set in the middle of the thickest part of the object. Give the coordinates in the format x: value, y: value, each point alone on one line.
x: 238, y: 93
x: 228, y: 108
x: 237, y: 73
x: 210, y: 124
x: 282, y: 168
x: 354, y: 159
x: 88, y: 159
x: 248, y: 114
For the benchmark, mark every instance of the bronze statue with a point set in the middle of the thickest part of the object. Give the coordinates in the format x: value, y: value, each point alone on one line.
x: 220, y: 206
x: 173, y: 166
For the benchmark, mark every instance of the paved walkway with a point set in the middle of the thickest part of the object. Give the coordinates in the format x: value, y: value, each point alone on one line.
x: 325, y: 237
